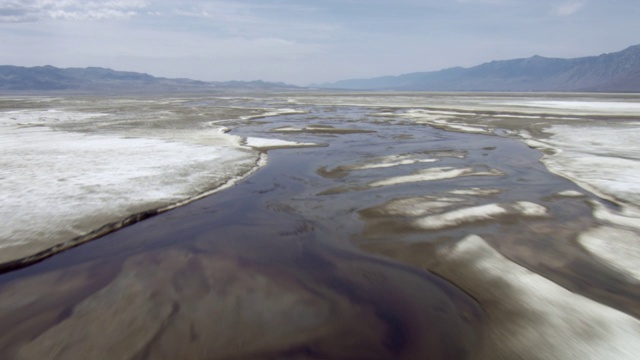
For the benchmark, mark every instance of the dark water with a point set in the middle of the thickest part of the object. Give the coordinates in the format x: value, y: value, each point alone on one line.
x: 282, y: 265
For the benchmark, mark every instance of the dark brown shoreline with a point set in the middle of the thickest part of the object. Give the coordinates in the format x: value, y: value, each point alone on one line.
x: 117, y: 225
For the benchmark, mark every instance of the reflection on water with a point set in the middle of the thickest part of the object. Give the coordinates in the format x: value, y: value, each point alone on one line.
x: 308, y: 259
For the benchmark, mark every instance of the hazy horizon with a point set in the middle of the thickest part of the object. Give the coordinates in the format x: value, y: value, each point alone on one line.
x: 301, y: 43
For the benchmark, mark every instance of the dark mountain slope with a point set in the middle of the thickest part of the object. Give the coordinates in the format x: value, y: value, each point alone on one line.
x: 619, y: 71
x: 95, y: 79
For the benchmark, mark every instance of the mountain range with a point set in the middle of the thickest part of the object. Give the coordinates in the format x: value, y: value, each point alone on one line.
x: 614, y: 72
x: 96, y: 79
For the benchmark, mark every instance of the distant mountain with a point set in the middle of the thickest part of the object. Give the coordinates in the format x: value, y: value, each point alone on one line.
x: 95, y: 79
x: 615, y: 72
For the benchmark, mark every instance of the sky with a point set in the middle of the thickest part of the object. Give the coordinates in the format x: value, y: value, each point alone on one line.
x: 303, y: 42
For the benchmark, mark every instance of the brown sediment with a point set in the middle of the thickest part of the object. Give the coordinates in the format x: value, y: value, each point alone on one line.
x: 342, y: 171
x: 79, y: 240
x: 567, y: 264
x: 530, y: 316
x: 219, y: 301
x: 321, y: 129
x: 560, y: 322
x: 336, y: 173
x: 45, y: 301
x: 341, y: 189
x: 538, y: 244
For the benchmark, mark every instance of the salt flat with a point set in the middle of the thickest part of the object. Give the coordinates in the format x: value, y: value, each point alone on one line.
x: 590, y: 139
x: 70, y: 167
x: 548, y: 186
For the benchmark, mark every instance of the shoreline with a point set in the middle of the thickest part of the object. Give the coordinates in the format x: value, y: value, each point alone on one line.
x: 129, y: 220
x: 277, y: 264
x: 80, y: 168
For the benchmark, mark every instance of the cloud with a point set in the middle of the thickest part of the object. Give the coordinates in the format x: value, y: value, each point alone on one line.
x: 90, y: 15
x: 568, y: 8
x: 16, y: 11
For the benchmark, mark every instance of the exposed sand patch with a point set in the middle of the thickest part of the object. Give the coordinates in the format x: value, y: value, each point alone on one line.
x: 571, y: 193
x: 286, y: 129
x: 530, y: 317
x: 457, y: 154
x: 628, y: 216
x: 479, y: 213
x: 414, y: 207
x: 319, y: 129
x: 444, y: 120
x: 275, y: 112
x: 433, y: 174
x: 268, y: 144
x: 390, y: 161
x: 617, y: 248
x: 527, y: 208
x: 461, y: 128
x: 437, y: 213
x: 476, y: 192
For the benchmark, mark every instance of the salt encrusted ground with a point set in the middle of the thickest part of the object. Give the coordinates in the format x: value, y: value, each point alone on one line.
x: 67, y: 172
x: 435, y: 173
x: 591, y: 141
x: 532, y: 317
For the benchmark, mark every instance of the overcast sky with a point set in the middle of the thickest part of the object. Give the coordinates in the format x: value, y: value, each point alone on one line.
x: 305, y: 41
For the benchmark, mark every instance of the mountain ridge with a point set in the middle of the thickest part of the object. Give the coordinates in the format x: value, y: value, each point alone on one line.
x: 611, y: 72
x: 48, y: 78
x: 617, y: 72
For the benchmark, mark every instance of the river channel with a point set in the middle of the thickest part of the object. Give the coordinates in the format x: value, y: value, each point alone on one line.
x: 322, y: 253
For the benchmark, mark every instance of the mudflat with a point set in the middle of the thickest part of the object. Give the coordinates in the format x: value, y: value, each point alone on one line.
x: 417, y: 226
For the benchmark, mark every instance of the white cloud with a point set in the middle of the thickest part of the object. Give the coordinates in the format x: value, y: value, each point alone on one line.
x: 568, y: 8
x: 108, y: 4
x: 34, y: 10
x: 90, y: 15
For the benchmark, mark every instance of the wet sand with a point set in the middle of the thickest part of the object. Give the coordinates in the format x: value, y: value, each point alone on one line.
x: 308, y: 259
x: 241, y: 269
